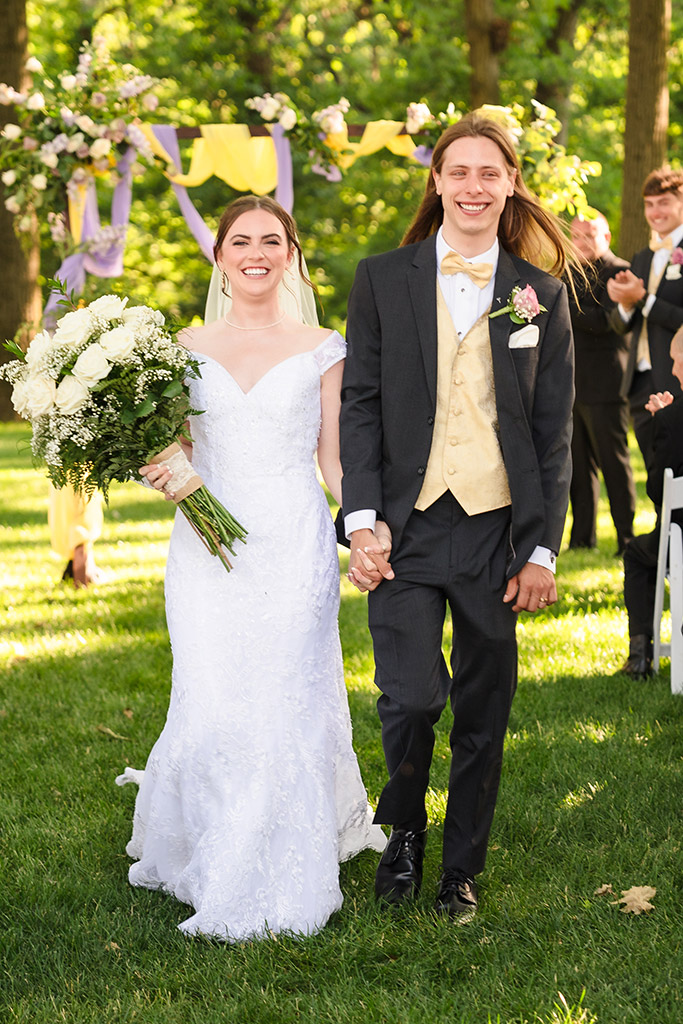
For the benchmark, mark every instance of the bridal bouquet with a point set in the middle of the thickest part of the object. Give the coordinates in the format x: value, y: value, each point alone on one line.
x: 106, y: 394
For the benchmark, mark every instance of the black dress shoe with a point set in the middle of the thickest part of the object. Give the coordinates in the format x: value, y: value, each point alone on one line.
x: 638, y: 665
x: 457, y: 896
x: 399, y: 872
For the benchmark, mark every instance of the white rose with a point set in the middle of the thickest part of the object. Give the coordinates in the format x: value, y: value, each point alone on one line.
x: 49, y: 159
x: 9, y: 177
x: 41, y: 394
x: 74, y: 142
x: 20, y: 399
x: 270, y: 108
x: 109, y: 307
x: 39, y: 182
x: 71, y: 395
x: 85, y: 123
x: 36, y: 101
x: 11, y: 131
x: 38, y: 347
x: 92, y: 365
x: 33, y: 65
x: 118, y: 343
x: 100, y: 148
x: 12, y: 204
x: 68, y: 82
x: 73, y: 327
x: 288, y: 118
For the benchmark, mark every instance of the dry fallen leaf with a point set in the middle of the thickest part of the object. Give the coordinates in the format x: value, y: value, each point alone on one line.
x: 128, y: 712
x: 636, y: 899
x: 607, y: 888
x: 108, y: 732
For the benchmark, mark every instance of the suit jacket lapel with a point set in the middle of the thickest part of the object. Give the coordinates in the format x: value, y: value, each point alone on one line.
x: 500, y: 327
x: 422, y: 289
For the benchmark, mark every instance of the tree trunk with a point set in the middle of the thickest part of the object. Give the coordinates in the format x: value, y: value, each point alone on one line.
x: 647, y: 113
x: 486, y: 36
x: 21, y: 301
x: 554, y: 91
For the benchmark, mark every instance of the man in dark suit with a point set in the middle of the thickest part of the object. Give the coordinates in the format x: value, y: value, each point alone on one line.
x: 601, y: 415
x: 640, y: 557
x: 650, y: 301
x: 455, y: 425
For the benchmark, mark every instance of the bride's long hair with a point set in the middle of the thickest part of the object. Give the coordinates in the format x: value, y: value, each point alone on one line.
x: 525, y: 228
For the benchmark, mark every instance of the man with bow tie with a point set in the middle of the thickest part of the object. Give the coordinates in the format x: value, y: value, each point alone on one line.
x: 650, y: 301
x: 455, y: 426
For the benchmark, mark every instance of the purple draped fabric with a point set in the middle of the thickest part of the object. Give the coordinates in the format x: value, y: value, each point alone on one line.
x: 103, y: 260
x: 166, y: 135
x: 284, y: 191
x: 423, y: 154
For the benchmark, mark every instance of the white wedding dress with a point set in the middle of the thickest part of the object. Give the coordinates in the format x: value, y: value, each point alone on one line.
x: 252, y: 794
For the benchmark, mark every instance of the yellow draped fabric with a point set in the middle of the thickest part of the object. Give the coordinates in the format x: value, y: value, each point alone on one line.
x: 376, y: 135
x: 230, y: 153
x: 249, y: 164
x: 76, y: 208
x: 73, y: 520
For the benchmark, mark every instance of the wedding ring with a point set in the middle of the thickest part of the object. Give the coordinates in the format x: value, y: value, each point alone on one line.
x: 543, y: 600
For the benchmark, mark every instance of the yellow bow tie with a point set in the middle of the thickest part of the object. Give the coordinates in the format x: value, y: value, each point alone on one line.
x: 480, y: 273
x: 661, y: 243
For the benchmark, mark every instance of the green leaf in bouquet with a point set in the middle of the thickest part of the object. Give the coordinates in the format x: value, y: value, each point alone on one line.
x: 144, y: 408
x: 172, y: 390
x: 15, y: 350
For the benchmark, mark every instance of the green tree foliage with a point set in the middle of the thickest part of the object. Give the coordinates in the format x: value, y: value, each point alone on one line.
x: 212, y: 56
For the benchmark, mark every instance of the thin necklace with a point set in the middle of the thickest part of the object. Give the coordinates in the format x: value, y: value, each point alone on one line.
x: 261, y: 327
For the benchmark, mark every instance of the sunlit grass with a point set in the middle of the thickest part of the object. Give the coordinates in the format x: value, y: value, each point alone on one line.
x: 591, y: 795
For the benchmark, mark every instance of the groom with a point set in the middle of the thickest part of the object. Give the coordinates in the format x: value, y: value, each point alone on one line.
x: 455, y: 426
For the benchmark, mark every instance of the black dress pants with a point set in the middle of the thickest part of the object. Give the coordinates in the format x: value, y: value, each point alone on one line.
x: 600, y: 441
x: 640, y: 582
x: 446, y: 559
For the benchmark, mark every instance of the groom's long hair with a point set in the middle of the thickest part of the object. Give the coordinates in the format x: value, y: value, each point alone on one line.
x: 525, y: 228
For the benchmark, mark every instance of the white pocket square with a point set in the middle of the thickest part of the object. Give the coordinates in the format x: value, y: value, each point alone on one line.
x: 526, y: 338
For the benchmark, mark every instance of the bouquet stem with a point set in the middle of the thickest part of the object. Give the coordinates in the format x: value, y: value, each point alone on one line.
x: 211, y: 521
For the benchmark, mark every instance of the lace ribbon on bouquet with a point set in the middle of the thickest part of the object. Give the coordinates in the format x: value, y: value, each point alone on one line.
x: 211, y: 521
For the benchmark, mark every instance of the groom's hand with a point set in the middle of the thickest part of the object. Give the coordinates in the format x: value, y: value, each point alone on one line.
x: 533, y: 588
x: 368, y: 564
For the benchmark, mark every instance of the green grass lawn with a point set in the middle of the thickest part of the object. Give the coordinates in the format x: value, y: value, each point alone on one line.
x: 591, y: 795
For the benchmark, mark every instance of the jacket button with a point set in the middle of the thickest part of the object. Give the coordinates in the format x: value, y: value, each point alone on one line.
x: 420, y: 470
x: 430, y: 420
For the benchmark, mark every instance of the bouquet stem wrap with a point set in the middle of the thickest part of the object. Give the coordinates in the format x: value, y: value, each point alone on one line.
x: 211, y: 521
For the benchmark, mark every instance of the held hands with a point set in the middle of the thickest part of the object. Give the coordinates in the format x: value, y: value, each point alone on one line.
x: 532, y: 588
x: 368, y: 562
x: 626, y: 289
x: 659, y: 401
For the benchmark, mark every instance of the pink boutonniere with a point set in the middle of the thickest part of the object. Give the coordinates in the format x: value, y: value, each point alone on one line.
x: 522, y: 305
x: 675, y: 264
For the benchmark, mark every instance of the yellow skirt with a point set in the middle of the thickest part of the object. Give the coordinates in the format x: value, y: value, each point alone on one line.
x: 73, y: 520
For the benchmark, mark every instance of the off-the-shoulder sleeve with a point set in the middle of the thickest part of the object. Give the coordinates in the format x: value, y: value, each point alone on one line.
x: 330, y: 351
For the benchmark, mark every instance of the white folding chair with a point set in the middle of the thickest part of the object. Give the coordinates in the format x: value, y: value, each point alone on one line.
x: 671, y: 544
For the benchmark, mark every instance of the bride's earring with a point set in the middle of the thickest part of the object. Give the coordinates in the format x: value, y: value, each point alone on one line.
x: 225, y: 284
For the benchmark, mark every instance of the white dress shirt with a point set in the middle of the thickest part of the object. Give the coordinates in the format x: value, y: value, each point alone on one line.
x: 660, y: 258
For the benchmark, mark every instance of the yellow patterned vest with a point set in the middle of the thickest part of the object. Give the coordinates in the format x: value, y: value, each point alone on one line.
x: 465, y: 457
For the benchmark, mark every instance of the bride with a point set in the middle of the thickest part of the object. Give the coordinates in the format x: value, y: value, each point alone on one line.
x: 252, y: 794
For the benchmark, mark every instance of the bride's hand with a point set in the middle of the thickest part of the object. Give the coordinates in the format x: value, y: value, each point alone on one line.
x: 383, y: 535
x: 158, y: 476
